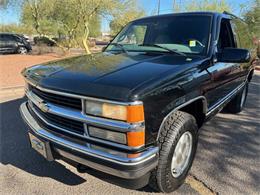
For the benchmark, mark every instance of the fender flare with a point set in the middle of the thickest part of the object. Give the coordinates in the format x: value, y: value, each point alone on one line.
x: 205, y: 109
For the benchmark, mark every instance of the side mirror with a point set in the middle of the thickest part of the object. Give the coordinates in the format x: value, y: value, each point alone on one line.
x: 234, y: 55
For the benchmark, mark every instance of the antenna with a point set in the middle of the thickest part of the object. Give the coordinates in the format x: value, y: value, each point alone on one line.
x: 159, y: 4
x: 228, y: 13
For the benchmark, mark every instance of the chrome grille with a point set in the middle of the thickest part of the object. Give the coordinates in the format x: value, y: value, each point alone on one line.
x: 63, y: 113
x: 58, y: 121
x: 64, y: 101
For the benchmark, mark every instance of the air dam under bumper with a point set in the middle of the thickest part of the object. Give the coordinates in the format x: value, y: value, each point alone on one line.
x: 123, y: 166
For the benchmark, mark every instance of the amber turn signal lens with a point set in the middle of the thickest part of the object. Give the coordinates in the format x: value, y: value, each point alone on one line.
x: 135, y: 139
x: 133, y: 155
x: 135, y: 113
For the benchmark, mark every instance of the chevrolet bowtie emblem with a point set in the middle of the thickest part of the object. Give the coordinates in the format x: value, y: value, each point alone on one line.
x: 44, y: 106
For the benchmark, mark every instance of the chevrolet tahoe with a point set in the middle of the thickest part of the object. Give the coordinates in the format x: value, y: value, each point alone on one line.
x: 134, y: 110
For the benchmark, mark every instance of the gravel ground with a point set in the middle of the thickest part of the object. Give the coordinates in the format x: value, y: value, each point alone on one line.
x: 228, y: 157
x: 12, y: 65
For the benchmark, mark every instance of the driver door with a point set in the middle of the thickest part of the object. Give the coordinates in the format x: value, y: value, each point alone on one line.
x: 222, y: 74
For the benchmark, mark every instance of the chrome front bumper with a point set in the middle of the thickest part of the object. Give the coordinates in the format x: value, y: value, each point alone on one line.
x: 117, y: 163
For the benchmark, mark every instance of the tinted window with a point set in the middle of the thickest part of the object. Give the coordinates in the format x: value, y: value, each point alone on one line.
x: 8, y: 38
x: 4, y: 37
x: 185, y: 33
x: 226, y: 38
x: 134, y: 36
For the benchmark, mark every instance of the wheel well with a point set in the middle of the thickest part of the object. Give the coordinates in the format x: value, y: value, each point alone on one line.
x: 197, y: 110
x: 250, y: 75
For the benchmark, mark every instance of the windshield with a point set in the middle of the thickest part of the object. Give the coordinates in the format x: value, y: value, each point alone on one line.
x: 187, y: 34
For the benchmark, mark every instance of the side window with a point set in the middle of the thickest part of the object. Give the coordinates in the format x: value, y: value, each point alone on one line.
x: 134, y: 35
x: 8, y: 38
x: 2, y: 41
x: 4, y: 38
x: 235, y: 34
x: 245, y: 39
x: 17, y: 39
x: 12, y: 38
x: 226, y: 38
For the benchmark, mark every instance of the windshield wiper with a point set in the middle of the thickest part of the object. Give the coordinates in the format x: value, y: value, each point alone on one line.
x: 120, y: 46
x: 165, y: 48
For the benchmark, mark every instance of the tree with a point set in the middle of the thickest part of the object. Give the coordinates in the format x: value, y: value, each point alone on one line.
x: 4, y: 4
x: 91, y: 8
x: 252, y: 18
x: 70, y: 18
x: 16, y: 28
x: 60, y: 17
x: 208, y: 5
x: 88, y: 9
x: 127, y: 12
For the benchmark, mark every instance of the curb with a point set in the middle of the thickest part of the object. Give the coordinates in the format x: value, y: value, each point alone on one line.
x: 12, y: 88
x: 9, y: 91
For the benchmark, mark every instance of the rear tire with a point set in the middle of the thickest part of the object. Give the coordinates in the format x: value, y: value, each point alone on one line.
x: 237, y: 104
x: 175, y: 160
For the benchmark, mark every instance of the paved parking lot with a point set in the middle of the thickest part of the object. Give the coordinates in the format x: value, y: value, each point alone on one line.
x: 12, y: 65
x: 227, y: 159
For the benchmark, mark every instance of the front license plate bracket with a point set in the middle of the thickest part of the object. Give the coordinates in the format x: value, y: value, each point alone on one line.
x: 42, y: 147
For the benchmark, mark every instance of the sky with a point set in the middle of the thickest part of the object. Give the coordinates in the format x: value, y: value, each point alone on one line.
x: 150, y: 6
x: 166, y: 6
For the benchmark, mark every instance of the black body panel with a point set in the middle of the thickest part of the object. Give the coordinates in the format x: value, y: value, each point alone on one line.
x: 119, y: 75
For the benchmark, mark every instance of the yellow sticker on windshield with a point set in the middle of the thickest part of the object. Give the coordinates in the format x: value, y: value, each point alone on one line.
x: 192, y: 43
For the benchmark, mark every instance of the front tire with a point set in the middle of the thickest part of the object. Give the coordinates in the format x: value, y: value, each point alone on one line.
x: 237, y: 104
x: 22, y: 50
x: 178, y: 142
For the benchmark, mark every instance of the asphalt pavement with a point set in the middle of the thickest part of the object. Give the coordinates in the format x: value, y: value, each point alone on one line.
x: 227, y: 159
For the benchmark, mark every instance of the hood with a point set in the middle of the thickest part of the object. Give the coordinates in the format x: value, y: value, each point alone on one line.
x: 104, y: 75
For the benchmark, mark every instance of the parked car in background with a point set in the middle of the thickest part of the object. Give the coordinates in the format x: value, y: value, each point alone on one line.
x: 134, y: 110
x: 14, y: 43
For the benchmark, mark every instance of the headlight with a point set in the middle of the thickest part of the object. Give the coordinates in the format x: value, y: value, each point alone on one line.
x: 131, y: 114
x: 107, y: 135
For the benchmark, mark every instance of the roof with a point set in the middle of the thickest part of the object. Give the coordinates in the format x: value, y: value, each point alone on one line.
x: 225, y: 14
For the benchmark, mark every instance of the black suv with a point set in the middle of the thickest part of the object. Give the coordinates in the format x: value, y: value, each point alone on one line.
x: 134, y: 110
x: 14, y: 43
